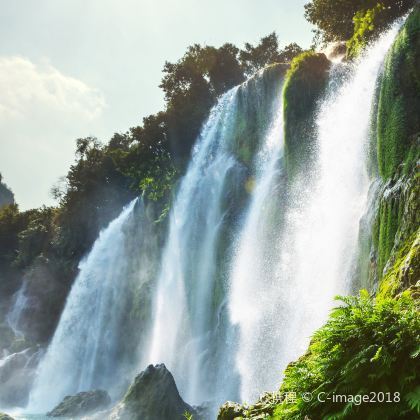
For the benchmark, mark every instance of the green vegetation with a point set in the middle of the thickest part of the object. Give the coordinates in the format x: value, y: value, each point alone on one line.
x: 265, y: 53
x: 398, y: 126
x: 385, y: 228
x: 405, y: 271
x: 340, y: 20
x: 193, y: 84
x: 305, y: 83
x: 397, y: 139
x: 45, y: 245
x: 364, y: 22
x: 252, y: 117
x: 367, y: 346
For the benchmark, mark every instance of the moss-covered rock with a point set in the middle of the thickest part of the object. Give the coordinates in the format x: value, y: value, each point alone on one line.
x: 398, y: 124
x: 230, y: 411
x: 154, y: 396
x: 4, y: 416
x: 305, y: 83
x: 405, y: 271
x: 254, y: 111
x: 398, y: 217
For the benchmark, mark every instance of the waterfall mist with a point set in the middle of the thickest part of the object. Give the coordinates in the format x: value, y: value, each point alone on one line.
x: 95, y: 343
x: 191, y: 333
x: 316, y: 242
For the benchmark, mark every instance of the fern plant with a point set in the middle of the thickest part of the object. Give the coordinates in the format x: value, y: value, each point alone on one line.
x: 368, y: 347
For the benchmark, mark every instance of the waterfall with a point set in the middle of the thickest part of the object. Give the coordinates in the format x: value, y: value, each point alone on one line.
x: 90, y: 346
x: 190, y: 330
x: 251, y: 299
x: 21, y: 302
x: 317, y: 239
x: 251, y: 262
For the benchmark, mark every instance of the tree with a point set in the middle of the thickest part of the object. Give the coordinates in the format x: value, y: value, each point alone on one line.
x: 334, y: 18
x: 6, y: 195
x: 191, y: 86
x: 256, y: 58
x: 289, y: 52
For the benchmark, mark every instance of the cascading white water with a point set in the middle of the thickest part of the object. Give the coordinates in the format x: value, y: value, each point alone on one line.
x: 317, y: 241
x: 86, y: 351
x: 188, y: 325
x: 180, y: 340
x: 21, y: 302
x: 251, y: 298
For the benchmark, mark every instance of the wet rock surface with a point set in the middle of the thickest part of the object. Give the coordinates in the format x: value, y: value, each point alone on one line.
x: 154, y: 396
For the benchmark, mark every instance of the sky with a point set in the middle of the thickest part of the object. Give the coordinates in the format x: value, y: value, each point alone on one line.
x: 71, y: 69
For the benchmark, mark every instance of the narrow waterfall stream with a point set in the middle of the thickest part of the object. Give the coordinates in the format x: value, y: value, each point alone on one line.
x: 189, y: 332
x: 89, y: 346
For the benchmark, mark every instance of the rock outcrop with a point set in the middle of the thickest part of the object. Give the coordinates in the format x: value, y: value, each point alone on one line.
x: 154, y: 396
x: 4, y: 416
x: 304, y: 86
x: 81, y: 404
x: 230, y: 411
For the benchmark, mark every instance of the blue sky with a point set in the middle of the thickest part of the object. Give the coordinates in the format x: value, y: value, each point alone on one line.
x: 70, y: 69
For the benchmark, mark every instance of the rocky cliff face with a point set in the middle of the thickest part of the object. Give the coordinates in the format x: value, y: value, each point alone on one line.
x: 396, y: 228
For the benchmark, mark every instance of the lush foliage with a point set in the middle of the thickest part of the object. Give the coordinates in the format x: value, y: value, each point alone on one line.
x: 193, y: 84
x: 339, y: 20
x: 191, y: 87
x: 405, y: 271
x: 267, y: 52
x: 398, y: 127
x: 368, y: 345
x: 364, y: 24
x: 305, y: 83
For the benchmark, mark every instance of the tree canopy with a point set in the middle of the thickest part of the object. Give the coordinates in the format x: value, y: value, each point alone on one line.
x: 334, y: 19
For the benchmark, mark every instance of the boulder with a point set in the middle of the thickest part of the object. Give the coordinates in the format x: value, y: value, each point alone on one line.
x: 81, y: 404
x: 154, y: 396
x: 230, y: 411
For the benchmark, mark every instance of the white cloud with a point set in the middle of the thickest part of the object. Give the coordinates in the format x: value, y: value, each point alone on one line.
x: 26, y: 87
x: 42, y: 112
